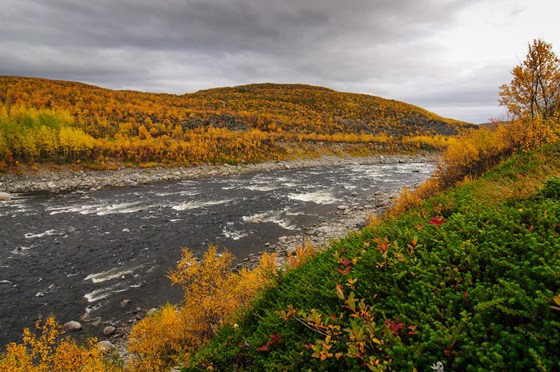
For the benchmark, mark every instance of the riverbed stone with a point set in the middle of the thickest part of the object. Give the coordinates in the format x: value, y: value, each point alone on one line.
x: 342, y: 207
x: 151, y: 312
x: 4, y: 196
x: 109, y: 330
x: 105, y: 346
x: 85, y: 317
x: 72, y: 326
x: 323, y: 230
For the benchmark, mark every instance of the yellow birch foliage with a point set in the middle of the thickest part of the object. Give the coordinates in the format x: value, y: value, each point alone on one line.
x: 213, y: 296
x: 301, y: 255
x: 46, y: 349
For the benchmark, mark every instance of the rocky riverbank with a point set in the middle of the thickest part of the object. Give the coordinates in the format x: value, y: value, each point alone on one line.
x: 349, y: 218
x: 62, y: 181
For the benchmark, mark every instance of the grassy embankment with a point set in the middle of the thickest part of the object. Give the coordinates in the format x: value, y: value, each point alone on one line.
x: 467, y: 278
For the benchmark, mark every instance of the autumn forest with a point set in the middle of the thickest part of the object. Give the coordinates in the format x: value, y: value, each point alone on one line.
x: 46, y: 121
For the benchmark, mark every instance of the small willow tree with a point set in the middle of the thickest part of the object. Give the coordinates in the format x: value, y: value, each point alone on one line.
x: 533, y: 96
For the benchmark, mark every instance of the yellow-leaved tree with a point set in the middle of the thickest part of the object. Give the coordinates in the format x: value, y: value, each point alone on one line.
x: 533, y: 97
x: 213, y: 295
x: 46, y: 349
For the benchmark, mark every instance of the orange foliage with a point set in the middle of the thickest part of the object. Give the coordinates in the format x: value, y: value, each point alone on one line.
x: 301, y: 255
x: 46, y: 350
x: 226, y: 125
x: 213, y: 296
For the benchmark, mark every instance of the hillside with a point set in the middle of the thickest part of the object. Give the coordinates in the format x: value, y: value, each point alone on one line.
x: 245, y: 123
x: 468, y: 279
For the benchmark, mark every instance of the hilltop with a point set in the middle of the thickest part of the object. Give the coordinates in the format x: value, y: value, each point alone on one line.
x: 269, y: 107
x: 59, y: 121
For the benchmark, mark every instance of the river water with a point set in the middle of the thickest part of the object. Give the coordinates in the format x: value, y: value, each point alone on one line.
x: 67, y: 254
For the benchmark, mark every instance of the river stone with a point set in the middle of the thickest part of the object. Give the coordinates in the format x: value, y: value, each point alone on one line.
x: 85, y: 317
x: 105, y: 346
x: 109, y: 330
x: 342, y: 207
x: 72, y: 326
x: 4, y: 196
x: 323, y: 230
x: 151, y: 312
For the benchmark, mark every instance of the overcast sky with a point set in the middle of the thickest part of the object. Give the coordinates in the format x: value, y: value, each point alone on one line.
x: 449, y: 56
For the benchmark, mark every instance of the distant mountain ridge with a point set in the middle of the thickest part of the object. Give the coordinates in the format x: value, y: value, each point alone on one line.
x: 295, y: 108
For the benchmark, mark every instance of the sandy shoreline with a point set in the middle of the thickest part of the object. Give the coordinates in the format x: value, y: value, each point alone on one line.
x: 61, y: 181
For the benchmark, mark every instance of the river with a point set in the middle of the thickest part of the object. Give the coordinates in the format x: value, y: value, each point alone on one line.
x: 68, y: 254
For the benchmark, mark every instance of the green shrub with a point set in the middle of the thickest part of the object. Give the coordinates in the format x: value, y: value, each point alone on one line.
x: 551, y: 188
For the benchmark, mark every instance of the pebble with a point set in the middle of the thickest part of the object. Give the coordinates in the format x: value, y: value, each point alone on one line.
x: 342, y: 207
x: 85, y: 317
x: 109, y: 330
x: 4, y: 196
x: 151, y: 312
x: 72, y: 326
x: 105, y: 346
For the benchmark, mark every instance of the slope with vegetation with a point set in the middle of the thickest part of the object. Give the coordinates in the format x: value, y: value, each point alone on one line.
x: 56, y: 121
x: 467, y: 279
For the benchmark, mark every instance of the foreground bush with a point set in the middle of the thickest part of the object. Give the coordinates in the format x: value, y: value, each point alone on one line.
x: 213, y: 296
x: 46, y: 349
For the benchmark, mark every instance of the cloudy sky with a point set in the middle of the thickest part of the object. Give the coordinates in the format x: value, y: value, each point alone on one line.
x: 449, y: 56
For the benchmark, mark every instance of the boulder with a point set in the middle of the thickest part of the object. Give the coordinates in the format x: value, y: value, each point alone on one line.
x: 86, y: 317
x: 151, y: 312
x: 323, y: 230
x: 109, y: 330
x: 4, y: 196
x: 105, y: 346
x: 72, y: 326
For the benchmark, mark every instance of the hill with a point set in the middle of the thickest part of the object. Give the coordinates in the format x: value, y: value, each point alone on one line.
x: 245, y: 123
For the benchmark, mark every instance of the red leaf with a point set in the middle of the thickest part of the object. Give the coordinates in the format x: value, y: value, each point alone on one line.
x: 394, y: 325
x: 243, y: 344
x: 345, y: 271
x: 346, y: 262
x: 412, y: 329
x: 382, y: 244
x: 263, y: 348
x: 274, y: 338
x: 437, y: 221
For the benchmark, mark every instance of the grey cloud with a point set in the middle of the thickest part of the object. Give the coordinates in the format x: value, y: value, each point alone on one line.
x: 380, y: 47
